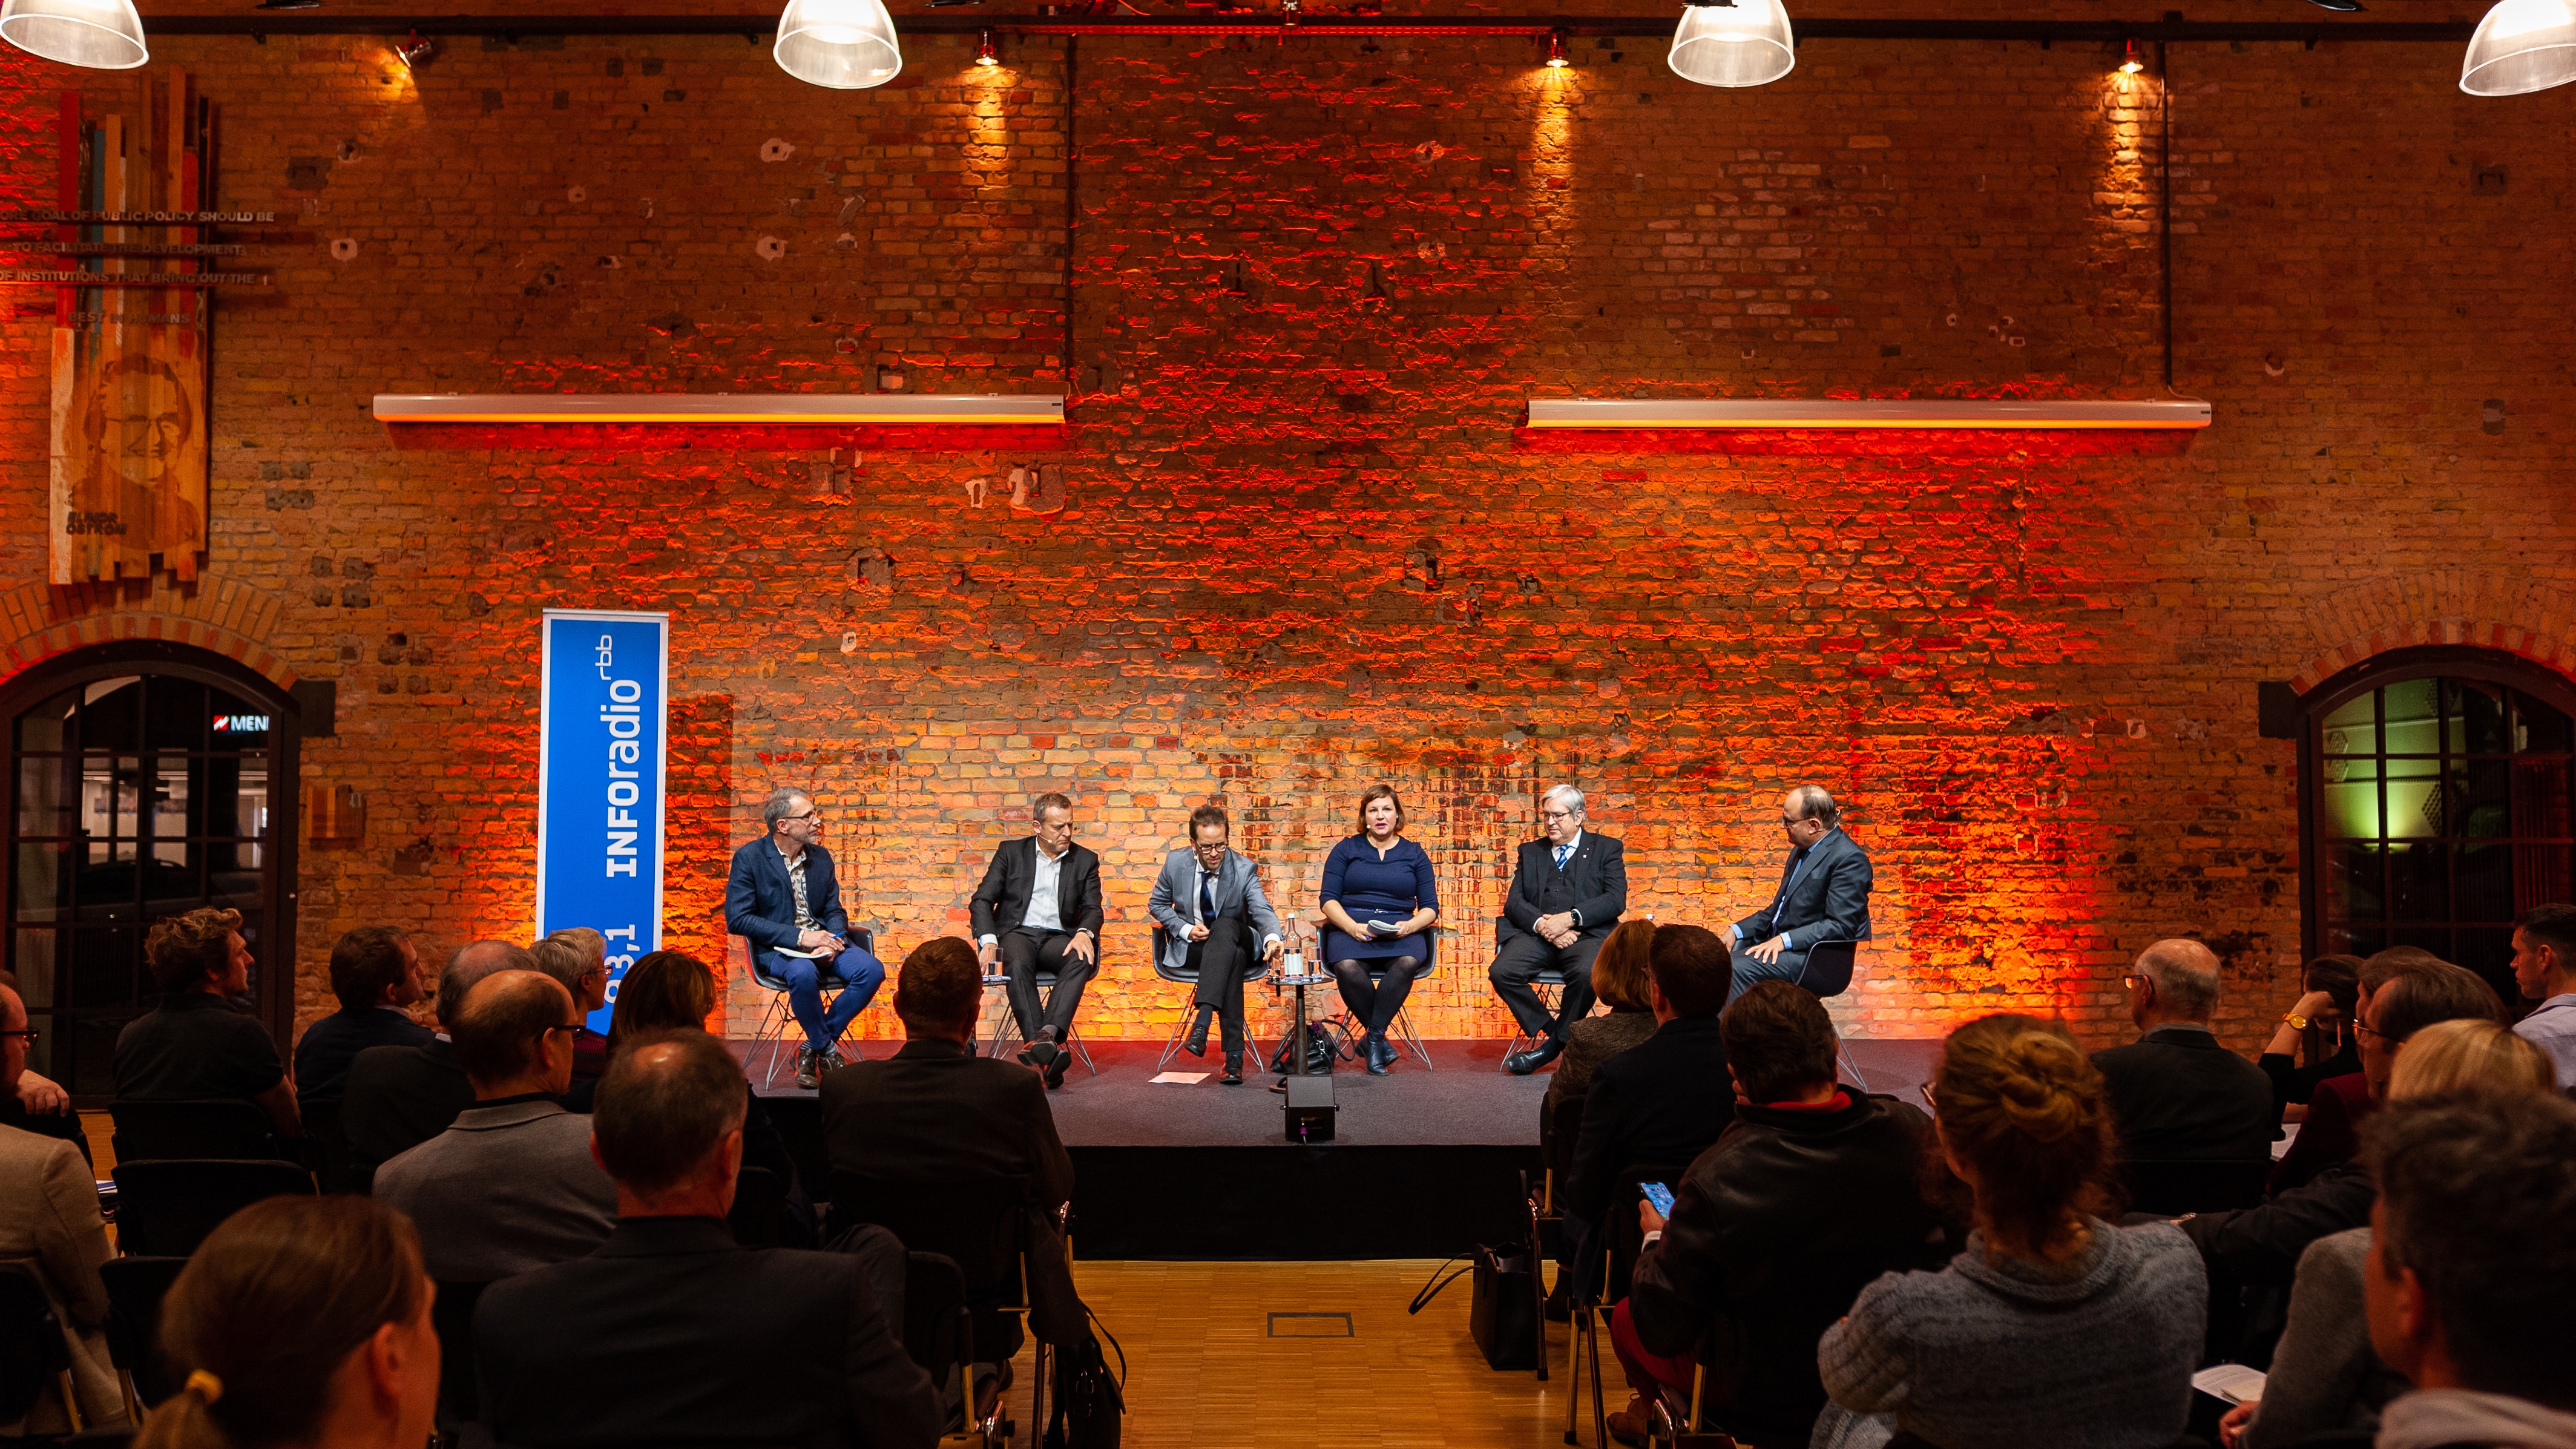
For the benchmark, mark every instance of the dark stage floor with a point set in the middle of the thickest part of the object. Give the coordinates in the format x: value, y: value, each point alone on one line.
x: 1424, y: 1163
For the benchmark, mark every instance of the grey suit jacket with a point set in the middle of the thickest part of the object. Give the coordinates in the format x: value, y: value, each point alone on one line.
x: 49, y: 1222
x: 1174, y: 901
x: 506, y: 1189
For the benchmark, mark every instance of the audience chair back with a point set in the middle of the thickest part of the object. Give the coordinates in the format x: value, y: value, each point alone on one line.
x: 980, y: 1224
x: 333, y: 1165
x: 759, y: 1208
x: 168, y: 1131
x: 135, y: 1287
x: 460, y: 1394
x: 2171, y: 1187
x: 939, y: 1333
x: 34, y: 1360
x: 166, y: 1208
x: 1564, y: 1126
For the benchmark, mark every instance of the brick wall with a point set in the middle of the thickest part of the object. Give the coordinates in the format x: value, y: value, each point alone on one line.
x: 1307, y: 545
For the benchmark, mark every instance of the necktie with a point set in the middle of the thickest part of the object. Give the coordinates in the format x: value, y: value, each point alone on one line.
x: 1561, y: 852
x: 1207, y: 896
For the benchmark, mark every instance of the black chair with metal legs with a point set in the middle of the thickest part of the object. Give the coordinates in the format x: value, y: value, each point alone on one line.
x: 135, y: 1287
x: 168, y: 1208
x: 939, y: 1335
x: 226, y: 1127
x: 1601, y: 1280
x: 1006, y: 1026
x: 775, y: 1022
x: 34, y: 1359
x: 1402, y: 1027
x: 1188, y: 976
x: 1549, y: 984
x: 460, y: 1392
x: 1828, y: 973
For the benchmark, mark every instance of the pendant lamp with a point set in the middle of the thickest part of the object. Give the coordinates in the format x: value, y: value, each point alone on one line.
x: 94, y: 34
x: 1733, y: 43
x: 2522, y: 46
x: 845, y: 44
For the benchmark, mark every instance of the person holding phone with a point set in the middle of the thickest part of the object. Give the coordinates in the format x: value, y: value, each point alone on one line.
x: 1379, y: 902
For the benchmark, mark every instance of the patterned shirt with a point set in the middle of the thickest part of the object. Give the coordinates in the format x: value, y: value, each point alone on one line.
x: 796, y: 881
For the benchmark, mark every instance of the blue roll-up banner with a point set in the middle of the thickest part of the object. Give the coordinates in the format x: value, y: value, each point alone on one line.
x: 601, y: 733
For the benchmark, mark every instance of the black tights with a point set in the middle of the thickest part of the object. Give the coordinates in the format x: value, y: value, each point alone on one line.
x: 1376, y: 1006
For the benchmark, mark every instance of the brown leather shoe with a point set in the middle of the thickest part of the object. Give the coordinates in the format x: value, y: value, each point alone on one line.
x: 1629, y: 1425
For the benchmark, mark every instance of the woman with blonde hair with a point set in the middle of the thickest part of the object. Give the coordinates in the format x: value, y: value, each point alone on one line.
x: 2054, y: 1326
x: 301, y: 1321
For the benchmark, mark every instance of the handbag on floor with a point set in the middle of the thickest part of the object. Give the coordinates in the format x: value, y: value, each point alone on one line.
x: 1089, y: 1400
x: 1323, y: 1048
x: 1502, y: 1304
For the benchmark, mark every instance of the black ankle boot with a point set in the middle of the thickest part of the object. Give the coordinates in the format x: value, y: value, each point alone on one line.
x: 1373, y: 1052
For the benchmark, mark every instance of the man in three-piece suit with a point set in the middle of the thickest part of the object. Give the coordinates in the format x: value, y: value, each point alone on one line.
x: 1823, y: 896
x: 1208, y: 901
x: 781, y: 896
x: 1039, y: 909
x: 1567, y: 893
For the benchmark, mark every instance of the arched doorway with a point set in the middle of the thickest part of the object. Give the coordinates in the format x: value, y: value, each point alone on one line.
x: 2436, y: 799
x: 145, y: 779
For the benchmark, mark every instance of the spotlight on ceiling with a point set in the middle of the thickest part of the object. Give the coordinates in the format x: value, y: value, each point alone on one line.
x: 416, y: 52
x: 2522, y: 46
x: 985, y: 55
x: 2132, y: 60
x: 845, y: 44
x: 1556, y: 56
x: 1733, y: 43
x: 92, y: 34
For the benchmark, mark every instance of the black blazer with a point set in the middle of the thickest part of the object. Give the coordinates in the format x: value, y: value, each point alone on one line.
x: 2179, y: 1095
x: 672, y: 1335
x: 937, y: 1109
x: 1597, y: 872
x: 1003, y: 898
x: 1660, y: 1103
x: 400, y: 1097
x: 760, y: 902
x: 330, y: 1045
x: 1830, y: 901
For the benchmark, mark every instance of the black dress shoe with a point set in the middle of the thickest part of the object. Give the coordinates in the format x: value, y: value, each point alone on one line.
x: 1196, y: 1043
x: 1387, y: 1054
x: 1039, y: 1054
x: 1233, y: 1070
x: 1521, y: 1064
x: 1055, y: 1068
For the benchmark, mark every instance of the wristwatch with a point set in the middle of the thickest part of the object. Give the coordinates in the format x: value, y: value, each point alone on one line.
x: 2296, y: 1021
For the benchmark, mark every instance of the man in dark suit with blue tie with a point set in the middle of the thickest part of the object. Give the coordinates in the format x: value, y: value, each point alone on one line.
x: 1824, y: 894
x: 1567, y: 893
x: 781, y: 897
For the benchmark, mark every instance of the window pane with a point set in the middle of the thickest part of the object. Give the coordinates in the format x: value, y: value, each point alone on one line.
x: 2490, y: 954
x: 111, y: 714
x: 2486, y: 882
x: 2352, y: 798
x: 2541, y: 728
x: 108, y: 805
x: 2353, y: 883
x: 2414, y: 807
x: 40, y: 887
x: 44, y: 806
x: 35, y: 964
x: 2480, y: 808
x: 2343, y: 939
x: 174, y: 714
x: 2540, y: 799
x: 2357, y: 722
x: 93, y: 1043
x: 2419, y: 883
x: 2475, y: 712
x: 170, y: 822
x: 44, y: 727
x: 107, y: 968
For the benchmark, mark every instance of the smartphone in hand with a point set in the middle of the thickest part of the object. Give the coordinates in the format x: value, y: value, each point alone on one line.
x: 1660, y: 1195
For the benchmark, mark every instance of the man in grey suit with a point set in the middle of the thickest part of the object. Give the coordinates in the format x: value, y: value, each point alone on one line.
x: 1208, y: 901
x: 1823, y: 896
x: 511, y: 1185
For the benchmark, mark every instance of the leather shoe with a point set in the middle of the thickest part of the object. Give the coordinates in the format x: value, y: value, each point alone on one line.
x: 1388, y: 1056
x: 1372, y: 1048
x: 1521, y: 1064
x: 1233, y: 1070
x: 808, y: 1075
x: 1196, y: 1043
x: 1631, y: 1424
x: 1039, y: 1054
x: 1055, y: 1068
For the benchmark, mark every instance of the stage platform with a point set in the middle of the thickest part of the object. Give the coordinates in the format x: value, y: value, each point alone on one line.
x: 1424, y: 1163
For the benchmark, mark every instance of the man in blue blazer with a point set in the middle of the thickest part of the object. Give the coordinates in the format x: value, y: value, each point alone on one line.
x: 1823, y: 896
x: 781, y: 896
x: 1208, y: 901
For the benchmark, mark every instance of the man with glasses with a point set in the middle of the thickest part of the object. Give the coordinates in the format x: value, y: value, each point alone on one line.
x: 49, y: 1220
x: 2178, y: 1094
x: 1208, y: 901
x: 1823, y: 895
x: 511, y: 1184
x: 1567, y: 892
x: 782, y: 898
x: 1039, y: 909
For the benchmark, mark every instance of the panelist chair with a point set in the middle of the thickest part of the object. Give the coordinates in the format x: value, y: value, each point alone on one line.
x: 1006, y: 1027
x: 1187, y: 976
x: 775, y: 1022
x: 1828, y: 974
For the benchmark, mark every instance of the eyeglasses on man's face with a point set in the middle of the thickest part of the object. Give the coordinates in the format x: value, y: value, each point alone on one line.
x: 28, y: 1036
x: 574, y: 1027
x: 1552, y: 816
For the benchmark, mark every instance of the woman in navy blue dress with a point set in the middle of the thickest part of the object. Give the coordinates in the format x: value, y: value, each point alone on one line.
x: 1379, y: 902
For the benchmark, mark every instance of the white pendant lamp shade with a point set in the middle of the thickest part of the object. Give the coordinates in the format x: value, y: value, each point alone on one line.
x: 845, y: 44
x: 1746, y: 43
x: 96, y: 34
x: 2522, y: 46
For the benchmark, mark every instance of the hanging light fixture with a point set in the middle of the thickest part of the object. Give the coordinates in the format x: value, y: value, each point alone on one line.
x: 1733, y: 43
x: 1556, y: 56
x: 985, y: 55
x: 2522, y: 46
x: 416, y: 52
x: 845, y: 44
x: 2131, y: 60
x: 92, y: 34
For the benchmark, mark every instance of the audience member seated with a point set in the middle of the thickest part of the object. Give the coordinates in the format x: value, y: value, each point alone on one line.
x: 2176, y: 1094
x: 39, y: 1104
x: 300, y: 1321
x: 675, y: 991
x: 2323, y: 1017
x: 511, y: 1185
x: 401, y: 1096
x: 577, y: 956
x: 2254, y: 1252
x: 2053, y: 1327
x: 196, y: 1046
x: 49, y: 1220
x: 1775, y: 1230
x: 376, y: 974
x: 1661, y: 1103
x: 2324, y: 1376
x: 2330, y: 1133
x: 672, y: 1335
x: 937, y: 1109
x: 2472, y: 1267
x: 2544, y: 966
x: 1621, y: 980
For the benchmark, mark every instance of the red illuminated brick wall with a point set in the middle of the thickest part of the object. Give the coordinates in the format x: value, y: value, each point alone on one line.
x: 1307, y: 545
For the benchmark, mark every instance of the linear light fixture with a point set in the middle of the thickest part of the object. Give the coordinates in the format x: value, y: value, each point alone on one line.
x: 1928, y: 413
x: 708, y: 408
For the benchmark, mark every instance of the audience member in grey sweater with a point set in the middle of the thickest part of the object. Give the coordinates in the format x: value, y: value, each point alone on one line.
x: 2053, y: 1327
x: 2324, y: 1375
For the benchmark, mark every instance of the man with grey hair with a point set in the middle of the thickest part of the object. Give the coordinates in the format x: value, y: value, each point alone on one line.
x: 402, y: 1096
x: 781, y: 897
x: 2178, y: 1095
x: 1823, y: 895
x: 1568, y: 889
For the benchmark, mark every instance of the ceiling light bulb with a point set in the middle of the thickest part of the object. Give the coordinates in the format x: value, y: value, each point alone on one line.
x: 848, y: 45
x: 2520, y: 47
x: 2130, y: 64
x: 984, y: 52
x: 1733, y: 43
x: 92, y: 34
x: 1556, y: 57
